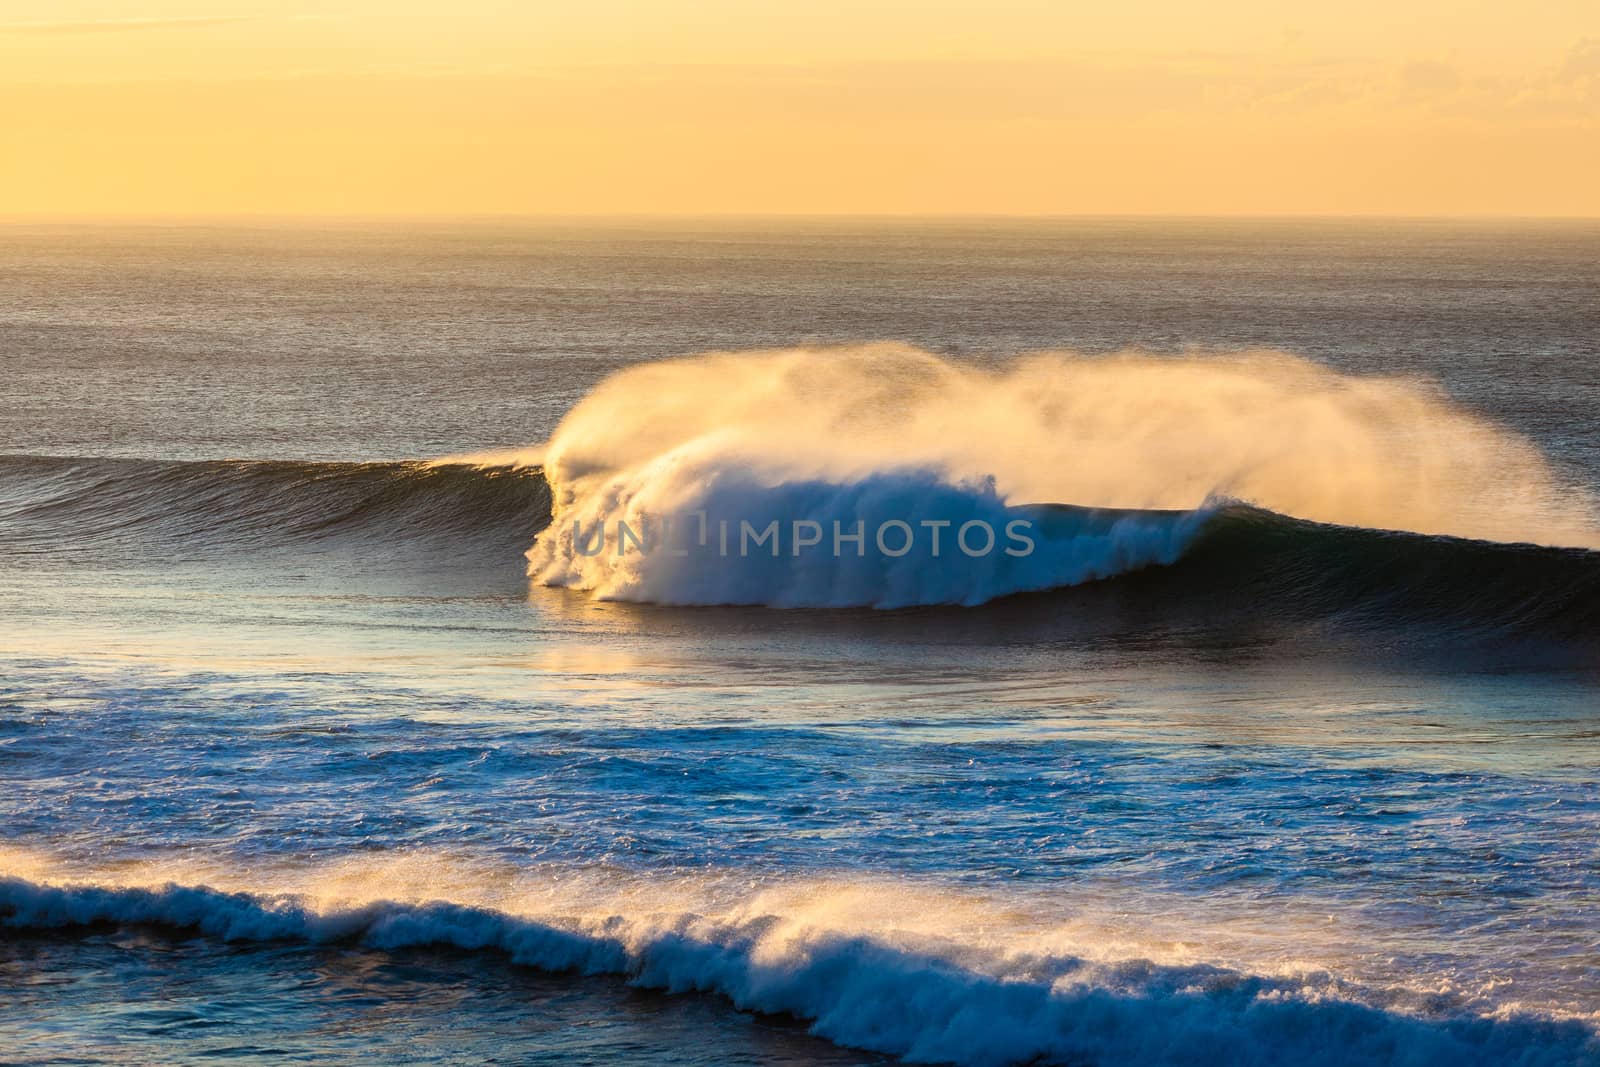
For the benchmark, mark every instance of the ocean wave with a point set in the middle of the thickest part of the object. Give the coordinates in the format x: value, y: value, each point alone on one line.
x: 1131, y: 431
x: 891, y: 539
x: 1220, y: 565
x: 1247, y: 560
x: 1256, y: 482
x: 69, y: 506
x: 922, y: 998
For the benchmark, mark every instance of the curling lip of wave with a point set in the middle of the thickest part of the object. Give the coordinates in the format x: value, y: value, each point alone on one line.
x: 922, y: 1001
x: 1226, y: 564
x: 1126, y: 430
x: 877, y: 432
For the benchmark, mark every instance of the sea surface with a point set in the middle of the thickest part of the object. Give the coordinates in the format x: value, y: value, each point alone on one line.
x: 320, y: 741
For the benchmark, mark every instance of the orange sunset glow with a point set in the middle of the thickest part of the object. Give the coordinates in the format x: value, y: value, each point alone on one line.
x: 716, y: 106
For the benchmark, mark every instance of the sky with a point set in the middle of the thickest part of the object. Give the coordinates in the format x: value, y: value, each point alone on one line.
x: 977, y: 107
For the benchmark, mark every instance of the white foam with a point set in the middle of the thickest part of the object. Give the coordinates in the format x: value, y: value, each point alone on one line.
x: 954, y: 543
x: 874, y: 970
x: 889, y: 432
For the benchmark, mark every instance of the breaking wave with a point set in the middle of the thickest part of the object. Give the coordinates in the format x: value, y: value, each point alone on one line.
x: 889, y: 985
x: 1128, y: 431
x: 888, y: 540
x: 1146, y: 461
x: 1256, y: 487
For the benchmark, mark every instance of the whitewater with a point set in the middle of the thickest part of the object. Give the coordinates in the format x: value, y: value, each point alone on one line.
x: 1139, y: 450
x: 927, y: 975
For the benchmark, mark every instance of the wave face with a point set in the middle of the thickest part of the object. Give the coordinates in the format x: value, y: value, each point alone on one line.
x: 1249, y: 563
x: 52, y: 506
x: 863, y: 969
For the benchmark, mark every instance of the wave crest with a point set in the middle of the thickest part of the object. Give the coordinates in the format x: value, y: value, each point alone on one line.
x: 1139, y: 444
x: 925, y: 997
x: 891, y: 539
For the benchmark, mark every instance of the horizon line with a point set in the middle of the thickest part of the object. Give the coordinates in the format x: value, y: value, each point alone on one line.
x: 135, y: 217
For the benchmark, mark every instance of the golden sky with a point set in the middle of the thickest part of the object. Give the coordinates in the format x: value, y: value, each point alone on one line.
x: 1417, y: 107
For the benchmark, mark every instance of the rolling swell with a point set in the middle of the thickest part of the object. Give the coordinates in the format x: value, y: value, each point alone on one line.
x: 1247, y: 561
x: 57, y: 505
x: 1233, y: 562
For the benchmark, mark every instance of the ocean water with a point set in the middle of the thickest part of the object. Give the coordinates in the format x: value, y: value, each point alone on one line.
x: 321, y: 739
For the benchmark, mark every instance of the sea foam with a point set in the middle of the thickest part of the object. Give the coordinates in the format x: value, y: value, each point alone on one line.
x: 887, y: 432
x: 905, y: 992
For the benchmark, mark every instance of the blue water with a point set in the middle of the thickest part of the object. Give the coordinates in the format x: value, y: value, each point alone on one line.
x: 298, y: 763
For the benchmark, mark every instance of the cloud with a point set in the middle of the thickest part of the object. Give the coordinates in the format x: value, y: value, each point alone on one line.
x: 1583, y: 61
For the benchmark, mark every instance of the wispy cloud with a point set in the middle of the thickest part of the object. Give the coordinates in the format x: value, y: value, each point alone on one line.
x: 1583, y: 61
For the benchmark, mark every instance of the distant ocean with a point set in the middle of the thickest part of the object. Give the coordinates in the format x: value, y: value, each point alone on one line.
x: 324, y: 739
